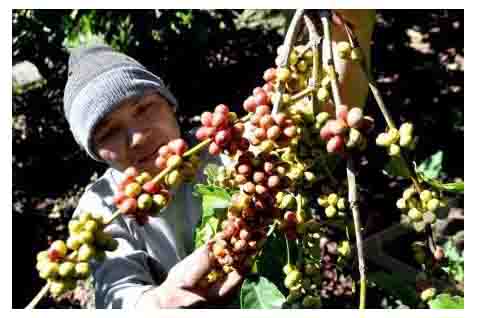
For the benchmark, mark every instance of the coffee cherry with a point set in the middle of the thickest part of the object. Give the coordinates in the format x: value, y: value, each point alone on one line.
x: 332, y: 199
x: 250, y: 104
x: 383, y: 140
x: 82, y: 269
x: 165, y: 151
x: 173, y: 179
x: 214, y: 149
x: 273, y: 132
x: 159, y: 200
x: 57, y: 288
x: 405, y: 140
x: 406, y: 129
x: 322, y: 117
x: 428, y: 294
x: 128, y: 206
x: 131, y: 172
x: 262, y: 110
x: 270, y: 74
x: 408, y: 193
x: 393, y: 134
x: 432, y: 205
x: 132, y: 190
x: 219, y: 119
x: 206, y: 119
x: 341, y: 204
x: 338, y: 126
x: 325, y: 132
x: 178, y: 146
x: 344, y: 49
x: 288, y: 268
x: 322, y: 94
x: 292, y: 278
x: 66, y: 269
x: 49, y: 270
x: 273, y: 181
x: 425, y: 196
x: 144, y: 201
x: 74, y: 226
x: 57, y: 250
x: 223, y: 137
x: 85, y: 252
x: 429, y: 217
x: 261, y: 98
x: 415, y: 214
x: 290, y: 131
x: 401, y: 204
x: 330, y: 211
x: 249, y: 188
x: 283, y: 74
x: 335, y: 145
x: 151, y: 187
x: 222, y: 108
x: 394, y: 150
x: 342, y: 112
x: 355, y: 117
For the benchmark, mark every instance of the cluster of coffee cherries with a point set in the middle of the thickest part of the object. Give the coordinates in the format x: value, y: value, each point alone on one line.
x: 269, y: 131
x: 334, y: 283
x: 347, y: 52
x: 347, y: 132
x: 140, y: 195
x: 304, y: 280
x: 299, y: 68
x: 64, y: 263
x: 296, y: 214
x: 419, y: 207
x: 333, y: 204
x: 224, y: 129
x: 395, y: 139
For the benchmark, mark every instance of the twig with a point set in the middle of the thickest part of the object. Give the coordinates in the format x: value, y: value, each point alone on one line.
x: 350, y: 169
x: 284, y: 57
x: 42, y: 293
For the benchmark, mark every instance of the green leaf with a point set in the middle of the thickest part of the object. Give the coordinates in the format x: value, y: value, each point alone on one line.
x: 396, y: 167
x: 446, y: 301
x: 455, y: 266
x: 455, y: 187
x: 215, y: 201
x: 272, y: 259
x: 257, y: 292
x: 432, y: 166
x: 393, y: 285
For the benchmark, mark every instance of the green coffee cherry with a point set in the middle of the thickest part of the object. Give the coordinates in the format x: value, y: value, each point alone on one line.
x: 74, y: 226
x: 322, y: 94
x: 356, y: 54
x: 432, y: 205
x: 288, y: 202
x: 341, y: 204
x: 174, y: 178
x: 330, y: 211
x: 406, y: 129
x: 332, y: 199
x: 344, y: 249
x: 394, y: 150
x: 323, y: 201
x: 344, y: 49
x: 408, y: 193
x: 82, y: 269
x: 57, y: 288
x: 144, y: 202
x: 49, y: 270
x: 90, y: 225
x: 425, y: 196
x: 322, y: 117
x: 292, y: 278
x: 393, y: 134
x: 85, y: 252
x: 405, y: 141
x: 288, y: 268
x: 310, y: 177
x: 428, y: 294
x: 86, y: 237
x: 401, y: 204
x: 66, y: 269
x: 415, y: 214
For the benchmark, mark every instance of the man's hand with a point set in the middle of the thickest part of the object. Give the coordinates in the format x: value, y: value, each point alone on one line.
x: 180, y: 288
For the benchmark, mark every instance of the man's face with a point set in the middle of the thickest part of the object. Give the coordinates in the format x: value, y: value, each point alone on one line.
x: 133, y: 133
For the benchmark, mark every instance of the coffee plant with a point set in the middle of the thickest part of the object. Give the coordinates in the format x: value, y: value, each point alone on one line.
x: 285, y: 213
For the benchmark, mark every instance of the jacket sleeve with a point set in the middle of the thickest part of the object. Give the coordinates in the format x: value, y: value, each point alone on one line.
x: 129, y: 271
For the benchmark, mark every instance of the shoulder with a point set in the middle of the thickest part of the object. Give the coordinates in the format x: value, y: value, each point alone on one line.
x: 98, y: 196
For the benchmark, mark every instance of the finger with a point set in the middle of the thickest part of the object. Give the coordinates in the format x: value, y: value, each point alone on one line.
x: 226, y: 285
x: 195, y: 266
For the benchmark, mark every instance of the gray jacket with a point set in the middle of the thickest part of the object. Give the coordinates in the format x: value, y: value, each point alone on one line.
x: 145, y: 253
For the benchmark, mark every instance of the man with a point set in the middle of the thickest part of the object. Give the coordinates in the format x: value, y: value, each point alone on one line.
x: 120, y: 113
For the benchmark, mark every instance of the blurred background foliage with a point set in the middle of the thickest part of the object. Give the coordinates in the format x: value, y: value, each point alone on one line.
x: 206, y: 57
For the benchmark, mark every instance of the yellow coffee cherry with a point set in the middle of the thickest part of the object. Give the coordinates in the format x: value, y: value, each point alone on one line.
x: 394, y: 150
x: 344, y: 49
x: 330, y: 211
x: 356, y: 54
x: 425, y: 196
x: 432, y: 205
x: 323, y: 95
x: 393, y: 134
x: 415, y: 214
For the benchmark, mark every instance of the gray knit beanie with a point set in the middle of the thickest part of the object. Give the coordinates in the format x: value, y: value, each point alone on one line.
x: 99, y: 78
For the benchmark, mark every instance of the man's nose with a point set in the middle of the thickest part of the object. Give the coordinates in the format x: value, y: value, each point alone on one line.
x: 137, y: 137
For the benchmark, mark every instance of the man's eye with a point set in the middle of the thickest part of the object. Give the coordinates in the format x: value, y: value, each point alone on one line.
x: 142, y: 109
x: 107, y: 134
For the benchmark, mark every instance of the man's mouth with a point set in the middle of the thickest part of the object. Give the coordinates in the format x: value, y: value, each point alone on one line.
x: 148, y: 157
